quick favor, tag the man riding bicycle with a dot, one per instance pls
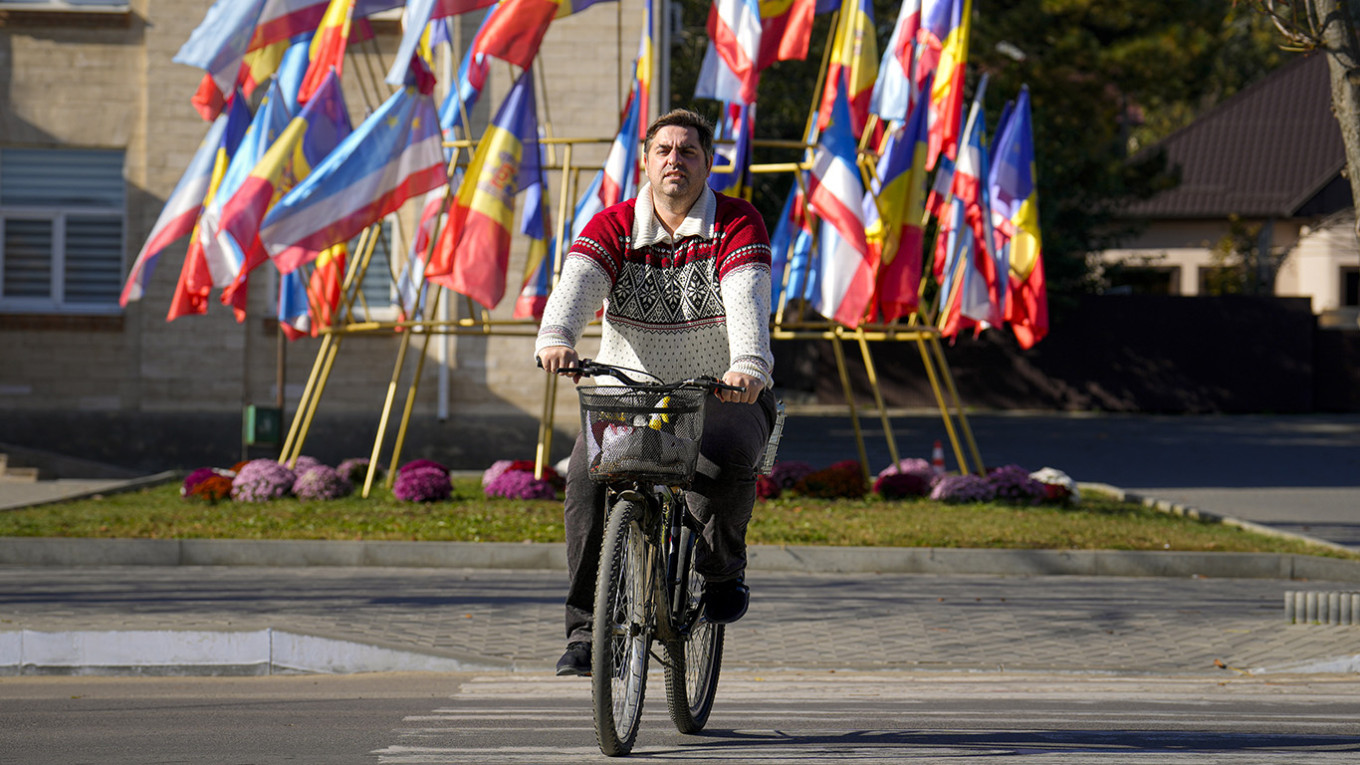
(684, 275)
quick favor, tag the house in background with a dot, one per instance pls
(1270, 158)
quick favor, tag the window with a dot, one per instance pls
(1146, 280)
(1350, 286)
(61, 230)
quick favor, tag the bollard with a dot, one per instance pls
(1310, 609)
(1289, 607)
(1334, 608)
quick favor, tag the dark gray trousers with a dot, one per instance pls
(721, 497)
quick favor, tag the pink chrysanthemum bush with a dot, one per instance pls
(261, 481)
(521, 484)
(960, 489)
(422, 483)
(321, 482)
(303, 463)
(901, 485)
(911, 477)
(421, 463)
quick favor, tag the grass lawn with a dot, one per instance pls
(1100, 522)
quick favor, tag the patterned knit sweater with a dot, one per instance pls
(696, 303)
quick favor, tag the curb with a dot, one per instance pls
(40, 551)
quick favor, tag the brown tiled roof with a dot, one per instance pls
(1265, 152)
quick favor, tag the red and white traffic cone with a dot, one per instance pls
(937, 459)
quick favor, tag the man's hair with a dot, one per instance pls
(686, 119)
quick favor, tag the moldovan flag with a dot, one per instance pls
(985, 303)
(322, 124)
(900, 191)
(894, 95)
(1015, 207)
(646, 65)
(328, 47)
(195, 281)
(836, 194)
(179, 214)
(473, 252)
(394, 155)
(786, 30)
(946, 30)
(853, 65)
(735, 30)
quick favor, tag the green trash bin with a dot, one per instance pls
(262, 426)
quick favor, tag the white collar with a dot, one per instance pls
(647, 229)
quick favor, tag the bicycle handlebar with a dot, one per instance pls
(590, 368)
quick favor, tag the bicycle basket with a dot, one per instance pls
(640, 435)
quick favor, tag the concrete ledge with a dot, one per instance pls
(199, 652)
(39, 551)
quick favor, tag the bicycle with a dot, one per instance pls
(643, 444)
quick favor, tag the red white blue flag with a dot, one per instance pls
(836, 193)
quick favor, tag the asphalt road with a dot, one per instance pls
(778, 717)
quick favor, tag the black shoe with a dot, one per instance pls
(726, 602)
(576, 661)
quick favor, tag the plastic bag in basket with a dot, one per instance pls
(629, 449)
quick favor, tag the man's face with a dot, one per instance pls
(676, 164)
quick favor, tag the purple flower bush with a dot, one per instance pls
(321, 482)
(262, 481)
(789, 472)
(305, 463)
(355, 470)
(1012, 483)
(422, 484)
(497, 469)
(963, 488)
(520, 484)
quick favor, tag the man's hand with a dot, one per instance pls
(555, 358)
(753, 387)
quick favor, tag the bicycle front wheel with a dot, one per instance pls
(695, 660)
(622, 631)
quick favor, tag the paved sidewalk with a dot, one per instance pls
(449, 619)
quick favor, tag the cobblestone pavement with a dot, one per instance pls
(513, 618)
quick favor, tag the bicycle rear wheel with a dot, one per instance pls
(622, 631)
(693, 663)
